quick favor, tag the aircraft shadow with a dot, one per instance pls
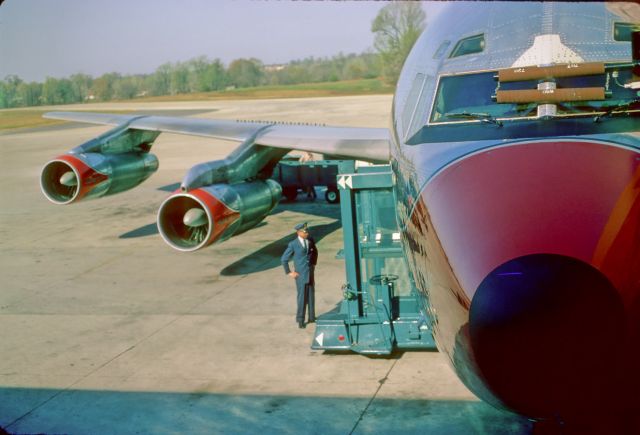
(268, 257)
(147, 230)
(170, 187)
(319, 207)
(99, 411)
(312, 208)
(324, 210)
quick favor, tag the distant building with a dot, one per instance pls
(274, 68)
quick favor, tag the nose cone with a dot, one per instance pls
(69, 179)
(580, 199)
(535, 249)
(195, 217)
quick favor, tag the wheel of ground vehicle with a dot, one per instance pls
(290, 193)
(332, 195)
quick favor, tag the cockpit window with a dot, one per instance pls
(471, 45)
(622, 31)
(441, 50)
(470, 92)
(412, 99)
(473, 97)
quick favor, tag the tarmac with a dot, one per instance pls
(106, 330)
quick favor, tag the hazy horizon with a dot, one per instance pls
(40, 38)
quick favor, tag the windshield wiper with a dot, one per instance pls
(621, 108)
(483, 117)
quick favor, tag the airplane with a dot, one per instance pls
(515, 147)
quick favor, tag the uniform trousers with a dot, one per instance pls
(306, 299)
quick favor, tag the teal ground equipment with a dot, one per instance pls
(381, 309)
(295, 176)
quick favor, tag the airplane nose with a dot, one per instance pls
(548, 336)
(538, 243)
(575, 198)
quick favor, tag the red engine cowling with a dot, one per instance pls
(74, 177)
(192, 220)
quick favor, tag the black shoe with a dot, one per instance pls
(312, 321)
(301, 325)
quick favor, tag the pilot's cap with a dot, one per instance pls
(301, 227)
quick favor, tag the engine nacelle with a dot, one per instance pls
(192, 220)
(73, 177)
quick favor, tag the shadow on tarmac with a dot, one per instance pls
(268, 257)
(147, 230)
(97, 411)
(303, 205)
(170, 187)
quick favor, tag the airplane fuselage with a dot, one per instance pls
(521, 220)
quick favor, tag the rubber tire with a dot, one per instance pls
(332, 196)
(291, 193)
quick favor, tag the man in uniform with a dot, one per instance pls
(304, 253)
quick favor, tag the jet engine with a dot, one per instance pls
(192, 220)
(113, 162)
(77, 176)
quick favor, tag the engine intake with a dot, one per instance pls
(74, 177)
(192, 220)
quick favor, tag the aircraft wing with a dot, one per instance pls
(217, 199)
(369, 144)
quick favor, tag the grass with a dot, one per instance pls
(24, 118)
(32, 117)
(29, 118)
(306, 90)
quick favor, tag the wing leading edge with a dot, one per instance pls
(369, 144)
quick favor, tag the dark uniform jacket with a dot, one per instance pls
(303, 262)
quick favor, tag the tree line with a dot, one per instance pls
(196, 75)
(396, 28)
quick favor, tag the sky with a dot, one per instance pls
(58, 38)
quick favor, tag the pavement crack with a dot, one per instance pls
(100, 367)
(381, 382)
(69, 387)
(102, 264)
(214, 295)
(46, 289)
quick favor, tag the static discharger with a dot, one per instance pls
(549, 72)
(550, 95)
